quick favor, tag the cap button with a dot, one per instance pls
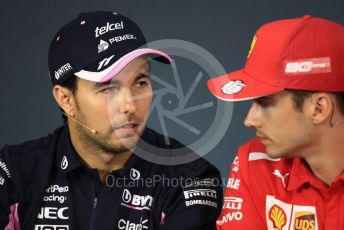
(307, 16)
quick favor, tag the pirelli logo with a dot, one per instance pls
(199, 192)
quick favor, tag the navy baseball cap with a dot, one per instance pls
(96, 46)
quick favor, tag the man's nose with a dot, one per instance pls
(253, 118)
(128, 104)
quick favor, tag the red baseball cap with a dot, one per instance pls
(304, 53)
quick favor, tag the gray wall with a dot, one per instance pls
(223, 28)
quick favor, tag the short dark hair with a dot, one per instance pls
(72, 85)
(299, 97)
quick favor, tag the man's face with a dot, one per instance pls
(282, 129)
(117, 110)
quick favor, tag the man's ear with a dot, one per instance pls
(321, 108)
(65, 99)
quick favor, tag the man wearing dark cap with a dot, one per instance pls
(291, 175)
(85, 175)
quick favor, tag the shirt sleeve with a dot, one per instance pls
(194, 205)
(6, 191)
(239, 209)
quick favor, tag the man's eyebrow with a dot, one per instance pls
(265, 99)
(113, 81)
(143, 74)
(102, 84)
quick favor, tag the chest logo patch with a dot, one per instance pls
(64, 163)
(304, 221)
(287, 216)
(277, 216)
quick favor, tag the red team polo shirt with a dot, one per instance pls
(266, 193)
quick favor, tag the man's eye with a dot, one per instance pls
(109, 89)
(142, 83)
(264, 102)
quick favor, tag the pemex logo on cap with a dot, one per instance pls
(103, 45)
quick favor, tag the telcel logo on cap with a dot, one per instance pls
(109, 27)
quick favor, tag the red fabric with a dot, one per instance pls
(298, 201)
(300, 53)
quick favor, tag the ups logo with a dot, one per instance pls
(304, 221)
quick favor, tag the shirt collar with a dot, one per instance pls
(300, 174)
(68, 160)
(135, 168)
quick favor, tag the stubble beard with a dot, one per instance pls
(99, 142)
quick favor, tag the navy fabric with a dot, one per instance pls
(55, 190)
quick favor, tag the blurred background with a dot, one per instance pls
(205, 38)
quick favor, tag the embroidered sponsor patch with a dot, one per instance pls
(307, 66)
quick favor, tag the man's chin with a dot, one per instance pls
(127, 142)
(275, 154)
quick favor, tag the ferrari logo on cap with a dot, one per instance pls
(253, 43)
(232, 87)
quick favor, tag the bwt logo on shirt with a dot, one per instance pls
(136, 202)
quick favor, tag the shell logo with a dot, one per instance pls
(278, 217)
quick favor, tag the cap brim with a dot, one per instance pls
(238, 86)
(108, 73)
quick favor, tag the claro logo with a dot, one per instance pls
(127, 225)
(136, 202)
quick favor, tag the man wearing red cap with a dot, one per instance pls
(291, 175)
